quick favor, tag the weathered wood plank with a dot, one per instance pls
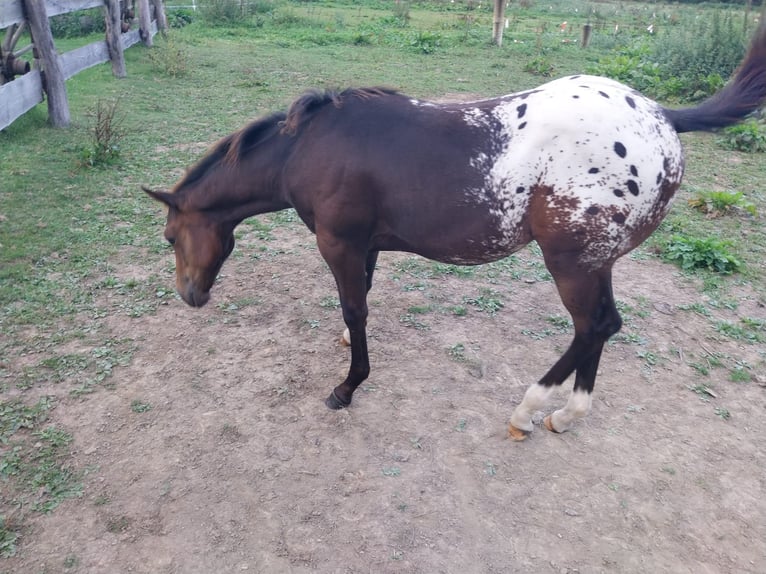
(11, 11)
(75, 61)
(20, 96)
(134, 36)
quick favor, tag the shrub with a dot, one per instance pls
(179, 17)
(169, 58)
(702, 55)
(76, 24)
(106, 134)
(687, 62)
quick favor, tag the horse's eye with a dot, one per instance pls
(171, 240)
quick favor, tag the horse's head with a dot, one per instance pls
(201, 244)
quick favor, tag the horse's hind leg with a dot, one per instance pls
(589, 299)
(349, 267)
(369, 267)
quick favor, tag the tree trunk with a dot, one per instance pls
(498, 22)
(144, 22)
(53, 77)
(114, 38)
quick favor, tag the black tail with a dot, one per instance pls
(740, 97)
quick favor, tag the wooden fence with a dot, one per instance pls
(50, 70)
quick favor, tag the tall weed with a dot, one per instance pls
(687, 62)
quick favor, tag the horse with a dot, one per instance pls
(583, 165)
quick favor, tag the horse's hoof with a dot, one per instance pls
(517, 434)
(548, 422)
(334, 403)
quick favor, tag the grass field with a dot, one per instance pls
(67, 229)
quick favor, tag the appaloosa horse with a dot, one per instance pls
(583, 165)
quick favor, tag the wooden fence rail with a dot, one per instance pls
(51, 69)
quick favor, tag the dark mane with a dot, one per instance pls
(307, 104)
(233, 147)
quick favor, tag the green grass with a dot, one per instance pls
(70, 231)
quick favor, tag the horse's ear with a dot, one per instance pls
(169, 199)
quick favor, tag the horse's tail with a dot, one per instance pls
(740, 97)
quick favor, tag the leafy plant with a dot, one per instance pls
(457, 352)
(696, 253)
(749, 137)
(716, 203)
(723, 413)
(426, 42)
(138, 406)
(487, 302)
(7, 539)
(179, 17)
(540, 66)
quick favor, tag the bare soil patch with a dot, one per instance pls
(237, 465)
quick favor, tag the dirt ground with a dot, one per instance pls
(239, 467)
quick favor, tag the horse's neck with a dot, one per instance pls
(236, 195)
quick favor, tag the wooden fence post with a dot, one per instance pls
(144, 22)
(159, 14)
(53, 77)
(114, 37)
(498, 22)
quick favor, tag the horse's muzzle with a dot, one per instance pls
(193, 296)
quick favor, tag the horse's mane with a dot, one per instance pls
(308, 104)
(232, 148)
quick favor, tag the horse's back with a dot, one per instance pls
(580, 159)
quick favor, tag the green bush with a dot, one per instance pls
(688, 62)
(749, 136)
(76, 24)
(179, 17)
(426, 42)
(168, 57)
(695, 253)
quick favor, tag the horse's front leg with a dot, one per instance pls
(349, 267)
